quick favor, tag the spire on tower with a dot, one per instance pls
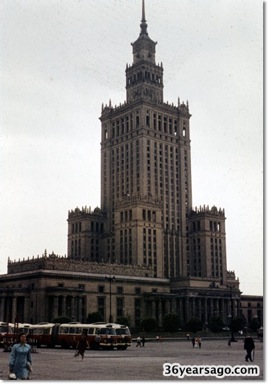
(143, 11)
(143, 21)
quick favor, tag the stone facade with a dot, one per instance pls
(251, 307)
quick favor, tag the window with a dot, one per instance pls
(120, 290)
(119, 307)
(101, 306)
(137, 291)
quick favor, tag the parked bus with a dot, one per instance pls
(43, 334)
(6, 333)
(99, 335)
(123, 339)
(18, 328)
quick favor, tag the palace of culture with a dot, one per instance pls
(146, 251)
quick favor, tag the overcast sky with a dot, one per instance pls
(61, 59)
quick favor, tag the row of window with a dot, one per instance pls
(159, 122)
(144, 75)
(95, 227)
(101, 288)
(214, 226)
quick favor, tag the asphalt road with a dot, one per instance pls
(137, 363)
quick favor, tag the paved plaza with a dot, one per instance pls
(136, 363)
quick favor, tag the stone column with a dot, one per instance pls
(193, 307)
(64, 306)
(56, 307)
(160, 311)
(27, 305)
(154, 309)
(172, 306)
(217, 307)
(179, 309)
(14, 309)
(2, 308)
(187, 309)
(72, 307)
(80, 308)
(199, 309)
(206, 309)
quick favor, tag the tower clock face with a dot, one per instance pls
(146, 93)
(149, 94)
(136, 94)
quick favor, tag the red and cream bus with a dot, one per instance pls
(43, 334)
(99, 335)
(6, 333)
(123, 336)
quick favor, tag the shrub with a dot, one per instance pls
(171, 322)
(94, 317)
(216, 324)
(194, 325)
(148, 325)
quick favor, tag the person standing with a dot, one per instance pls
(249, 346)
(20, 360)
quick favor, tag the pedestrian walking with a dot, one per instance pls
(249, 346)
(143, 341)
(199, 340)
(20, 360)
(138, 342)
(81, 346)
(193, 341)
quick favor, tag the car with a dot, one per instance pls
(226, 329)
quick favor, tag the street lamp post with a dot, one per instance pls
(230, 327)
(110, 279)
(231, 315)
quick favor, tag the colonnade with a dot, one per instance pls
(202, 308)
(70, 306)
(13, 308)
(36, 308)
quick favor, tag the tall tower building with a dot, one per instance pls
(146, 216)
(146, 189)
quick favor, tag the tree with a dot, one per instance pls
(237, 324)
(216, 324)
(94, 317)
(148, 325)
(123, 321)
(171, 322)
(254, 324)
(194, 325)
